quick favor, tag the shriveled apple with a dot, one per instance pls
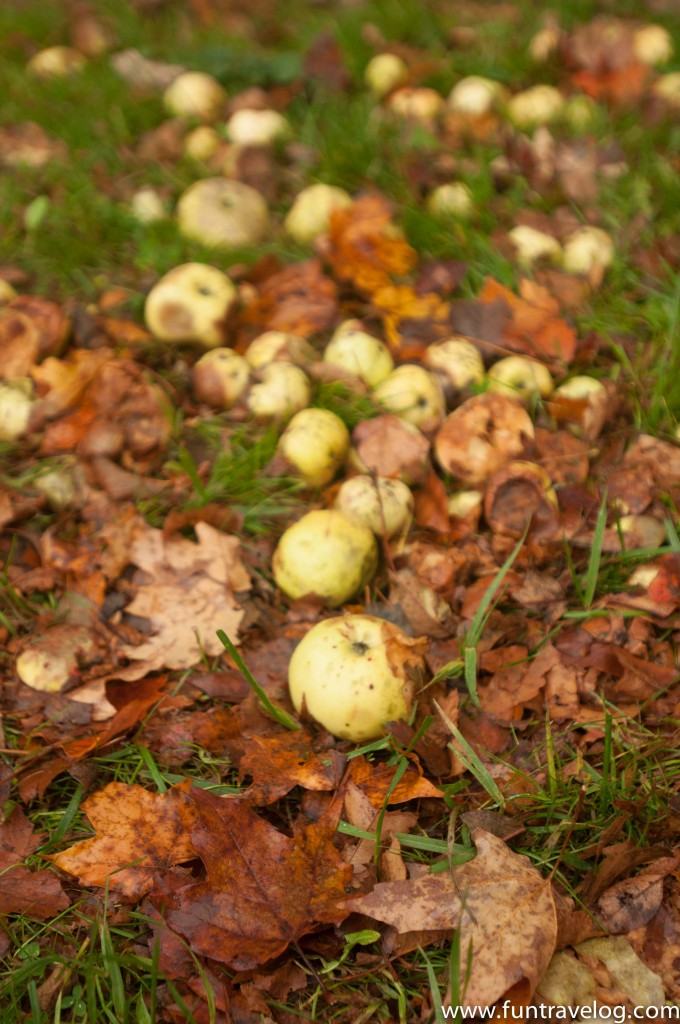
(520, 493)
(310, 215)
(581, 404)
(220, 377)
(481, 435)
(281, 391)
(354, 673)
(315, 443)
(328, 554)
(360, 354)
(391, 447)
(190, 303)
(413, 394)
(195, 94)
(384, 505)
(216, 211)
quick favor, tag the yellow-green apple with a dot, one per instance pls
(190, 303)
(452, 200)
(383, 504)
(195, 94)
(520, 377)
(476, 96)
(56, 62)
(413, 394)
(315, 443)
(310, 215)
(456, 362)
(540, 104)
(586, 249)
(385, 72)
(248, 127)
(531, 244)
(281, 391)
(360, 354)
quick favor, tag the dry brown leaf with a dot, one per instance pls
(496, 895)
(278, 763)
(364, 247)
(139, 834)
(188, 596)
(37, 894)
(263, 890)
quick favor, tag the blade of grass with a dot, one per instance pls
(471, 760)
(277, 713)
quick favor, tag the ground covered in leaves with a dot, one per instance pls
(177, 843)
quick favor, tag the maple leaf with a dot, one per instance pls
(190, 594)
(139, 834)
(36, 894)
(365, 248)
(263, 890)
(502, 906)
(375, 780)
(535, 328)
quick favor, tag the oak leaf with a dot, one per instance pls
(501, 904)
(139, 834)
(263, 889)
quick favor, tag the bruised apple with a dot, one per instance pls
(220, 377)
(189, 303)
(326, 553)
(354, 673)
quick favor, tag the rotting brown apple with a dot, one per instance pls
(481, 435)
(520, 493)
(325, 553)
(391, 447)
(315, 443)
(310, 215)
(190, 303)
(195, 94)
(354, 673)
(216, 211)
(220, 378)
(581, 404)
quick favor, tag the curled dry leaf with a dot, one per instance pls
(518, 495)
(483, 433)
(387, 446)
(139, 834)
(496, 895)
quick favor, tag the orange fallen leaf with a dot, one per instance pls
(278, 763)
(263, 889)
(505, 911)
(375, 780)
(364, 246)
(535, 328)
(139, 834)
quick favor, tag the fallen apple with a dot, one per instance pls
(545, 42)
(56, 62)
(278, 345)
(360, 354)
(652, 44)
(539, 104)
(216, 211)
(385, 72)
(16, 402)
(220, 377)
(281, 391)
(452, 200)
(201, 143)
(532, 245)
(520, 377)
(586, 249)
(327, 554)
(476, 96)
(7, 292)
(147, 206)
(354, 673)
(384, 505)
(456, 361)
(310, 215)
(315, 443)
(249, 127)
(416, 103)
(667, 88)
(413, 394)
(190, 303)
(195, 94)
(581, 404)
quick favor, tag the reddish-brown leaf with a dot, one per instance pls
(263, 890)
(36, 894)
(278, 763)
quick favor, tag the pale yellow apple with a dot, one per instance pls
(540, 104)
(16, 402)
(354, 673)
(257, 127)
(216, 211)
(383, 504)
(278, 345)
(310, 215)
(413, 394)
(452, 200)
(201, 142)
(416, 103)
(195, 94)
(360, 354)
(652, 44)
(147, 206)
(315, 443)
(667, 87)
(531, 244)
(7, 292)
(385, 72)
(586, 249)
(457, 361)
(189, 303)
(328, 554)
(282, 390)
(56, 62)
(476, 96)
(520, 377)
